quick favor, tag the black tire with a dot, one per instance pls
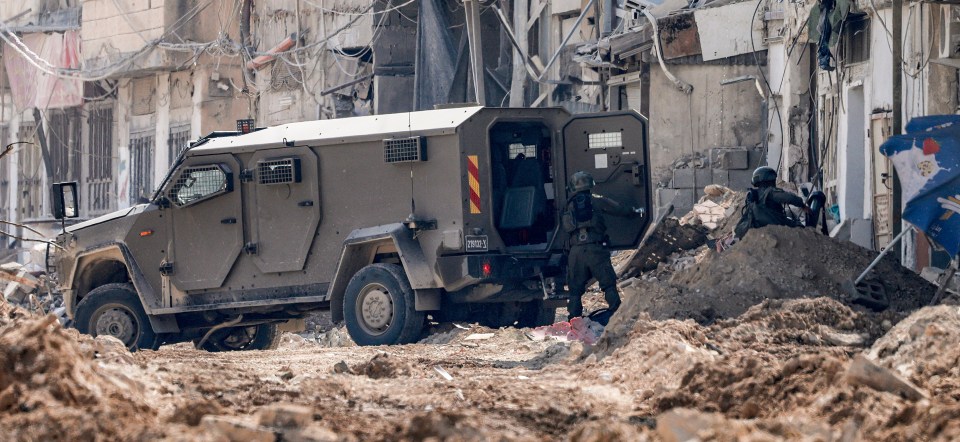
(390, 316)
(534, 314)
(254, 337)
(116, 310)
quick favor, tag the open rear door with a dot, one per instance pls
(612, 147)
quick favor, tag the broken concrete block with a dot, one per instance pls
(13, 294)
(312, 433)
(684, 200)
(237, 429)
(730, 158)
(684, 179)
(844, 339)
(863, 371)
(285, 416)
(342, 368)
(665, 196)
(721, 177)
(740, 179)
(703, 177)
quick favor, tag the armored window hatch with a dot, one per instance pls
(405, 150)
(198, 183)
(605, 140)
(278, 171)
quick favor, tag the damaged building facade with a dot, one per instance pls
(108, 92)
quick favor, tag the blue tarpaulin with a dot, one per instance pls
(927, 159)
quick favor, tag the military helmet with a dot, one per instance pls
(581, 181)
(764, 175)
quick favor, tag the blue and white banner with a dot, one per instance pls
(927, 159)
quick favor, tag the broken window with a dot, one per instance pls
(178, 140)
(141, 165)
(198, 183)
(856, 39)
(99, 179)
(29, 173)
(65, 144)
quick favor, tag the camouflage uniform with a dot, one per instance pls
(587, 257)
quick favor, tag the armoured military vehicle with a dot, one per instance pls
(384, 220)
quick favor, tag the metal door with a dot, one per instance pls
(613, 148)
(207, 233)
(283, 206)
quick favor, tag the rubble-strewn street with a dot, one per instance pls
(761, 365)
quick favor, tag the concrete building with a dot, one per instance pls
(107, 92)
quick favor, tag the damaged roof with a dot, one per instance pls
(320, 132)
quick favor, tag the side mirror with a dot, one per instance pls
(65, 200)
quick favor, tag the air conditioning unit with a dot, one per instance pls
(949, 32)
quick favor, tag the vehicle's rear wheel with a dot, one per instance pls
(116, 310)
(379, 307)
(254, 337)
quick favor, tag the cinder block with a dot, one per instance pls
(684, 179)
(684, 201)
(757, 158)
(731, 159)
(721, 177)
(740, 179)
(665, 196)
(704, 177)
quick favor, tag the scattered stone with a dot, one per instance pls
(342, 368)
(283, 416)
(238, 429)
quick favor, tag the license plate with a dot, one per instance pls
(476, 243)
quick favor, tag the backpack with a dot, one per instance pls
(582, 209)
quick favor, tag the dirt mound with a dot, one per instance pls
(925, 348)
(752, 385)
(51, 387)
(775, 263)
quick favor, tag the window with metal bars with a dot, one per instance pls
(99, 152)
(404, 150)
(198, 183)
(278, 171)
(4, 177)
(29, 173)
(65, 150)
(178, 140)
(141, 165)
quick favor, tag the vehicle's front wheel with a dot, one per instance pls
(254, 337)
(115, 310)
(379, 307)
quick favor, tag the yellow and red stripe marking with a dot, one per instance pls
(473, 176)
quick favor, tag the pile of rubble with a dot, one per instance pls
(31, 289)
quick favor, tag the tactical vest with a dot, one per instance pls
(589, 225)
(760, 211)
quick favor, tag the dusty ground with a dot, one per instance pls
(777, 369)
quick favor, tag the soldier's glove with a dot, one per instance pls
(639, 211)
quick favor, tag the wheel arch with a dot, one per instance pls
(381, 244)
(109, 264)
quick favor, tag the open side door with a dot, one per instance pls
(612, 147)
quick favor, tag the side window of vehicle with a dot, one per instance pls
(197, 183)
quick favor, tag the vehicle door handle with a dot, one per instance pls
(638, 178)
(228, 221)
(307, 203)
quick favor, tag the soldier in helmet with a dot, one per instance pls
(765, 203)
(584, 223)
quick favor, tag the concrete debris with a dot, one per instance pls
(478, 336)
(863, 371)
(237, 429)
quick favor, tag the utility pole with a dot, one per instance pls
(472, 10)
(897, 111)
(517, 86)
